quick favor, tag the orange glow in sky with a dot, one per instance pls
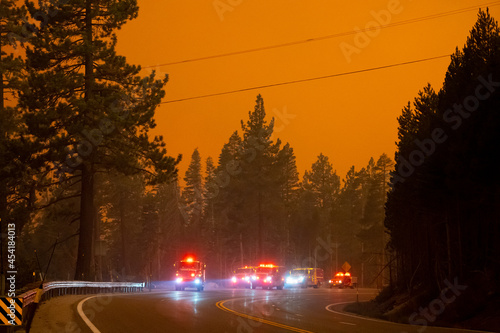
(348, 118)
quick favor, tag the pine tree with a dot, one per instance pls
(210, 193)
(321, 187)
(210, 190)
(227, 201)
(289, 175)
(258, 162)
(14, 152)
(323, 181)
(87, 108)
(288, 179)
(346, 217)
(192, 196)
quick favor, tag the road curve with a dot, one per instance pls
(238, 310)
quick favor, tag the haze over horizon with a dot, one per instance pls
(349, 117)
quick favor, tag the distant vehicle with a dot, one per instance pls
(189, 273)
(305, 277)
(268, 276)
(242, 276)
(343, 280)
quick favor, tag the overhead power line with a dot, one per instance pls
(304, 80)
(342, 34)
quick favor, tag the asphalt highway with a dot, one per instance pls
(235, 310)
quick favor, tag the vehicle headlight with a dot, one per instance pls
(247, 278)
(289, 280)
(178, 280)
(301, 279)
(254, 277)
(269, 278)
(197, 281)
(234, 279)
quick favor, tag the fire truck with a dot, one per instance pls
(268, 276)
(189, 273)
(241, 277)
(343, 280)
(304, 277)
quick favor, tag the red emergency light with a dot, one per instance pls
(266, 265)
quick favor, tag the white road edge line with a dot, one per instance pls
(84, 317)
(358, 317)
(389, 322)
(343, 322)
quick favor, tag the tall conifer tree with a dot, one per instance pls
(192, 195)
(87, 108)
(259, 160)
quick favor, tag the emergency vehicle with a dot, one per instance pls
(241, 277)
(305, 277)
(343, 280)
(189, 273)
(268, 276)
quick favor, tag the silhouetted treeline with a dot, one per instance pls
(249, 207)
(253, 207)
(80, 172)
(443, 213)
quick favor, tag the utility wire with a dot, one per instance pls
(342, 34)
(305, 80)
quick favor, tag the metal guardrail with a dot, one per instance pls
(60, 288)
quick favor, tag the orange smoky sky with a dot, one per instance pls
(349, 118)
